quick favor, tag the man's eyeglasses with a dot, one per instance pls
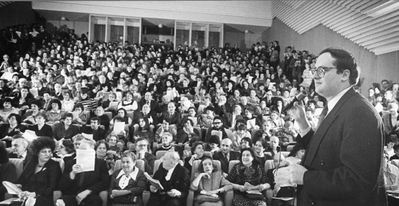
(217, 123)
(321, 70)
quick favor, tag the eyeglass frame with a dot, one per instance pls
(321, 70)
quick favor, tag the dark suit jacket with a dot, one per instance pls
(179, 180)
(96, 181)
(343, 156)
(224, 163)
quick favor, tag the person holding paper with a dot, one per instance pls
(210, 183)
(41, 175)
(174, 179)
(249, 180)
(128, 183)
(82, 188)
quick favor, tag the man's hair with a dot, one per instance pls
(68, 114)
(343, 61)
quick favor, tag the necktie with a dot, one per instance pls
(322, 116)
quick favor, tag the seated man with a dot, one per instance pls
(83, 188)
(19, 148)
(226, 154)
(174, 179)
(95, 129)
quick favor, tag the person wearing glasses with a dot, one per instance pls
(142, 153)
(343, 156)
(216, 129)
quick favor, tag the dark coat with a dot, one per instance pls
(223, 161)
(42, 183)
(96, 181)
(343, 156)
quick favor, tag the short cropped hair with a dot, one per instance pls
(344, 61)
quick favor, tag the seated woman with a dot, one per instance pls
(129, 104)
(122, 113)
(67, 152)
(259, 150)
(80, 117)
(209, 182)
(102, 152)
(197, 151)
(143, 130)
(67, 103)
(7, 131)
(249, 180)
(174, 179)
(7, 170)
(41, 128)
(128, 183)
(7, 109)
(30, 114)
(54, 112)
(41, 175)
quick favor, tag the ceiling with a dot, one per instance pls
(59, 15)
(372, 24)
(5, 3)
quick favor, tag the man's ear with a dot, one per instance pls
(345, 75)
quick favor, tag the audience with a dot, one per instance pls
(61, 86)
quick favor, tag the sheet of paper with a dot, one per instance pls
(86, 159)
(11, 188)
(89, 136)
(29, 135)
(9, 201)
(119, 127)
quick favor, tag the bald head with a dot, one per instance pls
(225, 145)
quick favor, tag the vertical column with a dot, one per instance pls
(221, 43)
(174, 36)
(190, 33)
(124, 32)
(140, 30)
(206, 36)
(106, 29)
(89, 35)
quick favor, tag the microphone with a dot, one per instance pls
(297, 98)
